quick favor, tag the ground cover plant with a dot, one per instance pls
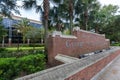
(115, 44)
(15, 63)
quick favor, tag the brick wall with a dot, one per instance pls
(80, 42)
(90, 71)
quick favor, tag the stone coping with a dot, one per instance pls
(59, 33)
(92, 33)
(64, 71)
(65, 58)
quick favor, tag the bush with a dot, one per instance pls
(20, 53)
(2, 49)
(32, 45)
(36, 45)
(11, 68)
(115, 44)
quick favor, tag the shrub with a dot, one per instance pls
(36, 45)
(11, 68)
(20, 53)
(7, 68)
(32, 45)
(115, 44)
(2, 49)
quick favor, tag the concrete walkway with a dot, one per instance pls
(111, 72)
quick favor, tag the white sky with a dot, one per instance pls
(31, 14)
(107, 2)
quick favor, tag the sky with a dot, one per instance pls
(31, 14)
(107, 2)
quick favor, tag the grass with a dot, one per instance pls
(24, 48)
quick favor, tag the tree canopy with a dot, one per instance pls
(87, 14)
(66, 14)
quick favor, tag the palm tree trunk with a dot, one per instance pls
(46, 34)
(46, 13)
(71, 15)
(86, 19)
(96, 29)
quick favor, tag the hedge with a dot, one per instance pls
(11, 68)
(115, 44)
(9, 53)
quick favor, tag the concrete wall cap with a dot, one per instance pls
(76, 29)
(107, 39)
(68, 36)
(103, 34)
(90, 32)
(54, 33)
(59, 33)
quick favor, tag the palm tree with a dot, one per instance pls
(46, 13)
(83, 8)
(23, 26)
(56, 16)
(62, 12)
(71, 14)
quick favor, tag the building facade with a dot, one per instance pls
(11, 36)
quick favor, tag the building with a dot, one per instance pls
(8, 24)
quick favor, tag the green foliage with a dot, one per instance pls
(112, 29)
(115, 44)
(2, 49)
(24, 48)
(5, 53)
(24, 27)
(36, 45)
(66, 32)
(7, 7)
(35, 34)
(88, 15)
(11, 68)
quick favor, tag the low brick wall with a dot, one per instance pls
(90, 71)
(83, 69)
(80, 42)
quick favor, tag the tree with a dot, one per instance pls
(24, 27)
(45, 12)
(112, 30)
(71, 15)
(105, 17)
(83, 8)
(95, 18)
(57, 15)
(35, 35)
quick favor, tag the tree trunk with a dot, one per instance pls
(71, 15)
(96, 29)
(46, 35)
(86, 19)
(46, 13)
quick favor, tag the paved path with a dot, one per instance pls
(112, 72)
